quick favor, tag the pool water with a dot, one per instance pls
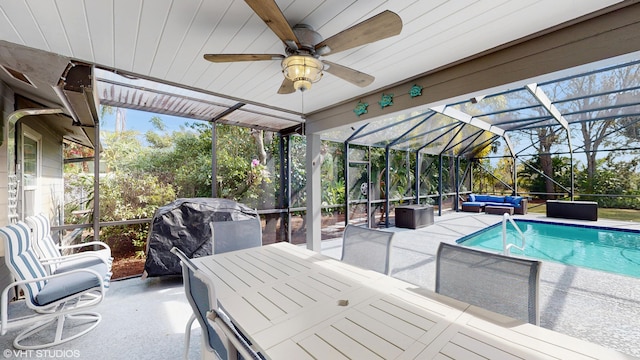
(605, 249)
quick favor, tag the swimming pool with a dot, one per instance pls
(599, 248)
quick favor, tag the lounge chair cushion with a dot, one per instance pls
(63, 286)
(80, 263)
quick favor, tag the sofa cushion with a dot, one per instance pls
(495, 199)
(490, 198)
(472, 197)
(489, 203)
(473, 203)
(515, 200)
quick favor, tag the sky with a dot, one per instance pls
(140, 121)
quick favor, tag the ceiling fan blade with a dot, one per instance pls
(381, 26)
(286, 87)
(242, 57)
(353, 76)
(271, 14)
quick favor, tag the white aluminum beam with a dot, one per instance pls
(544, 100)
(468, 119)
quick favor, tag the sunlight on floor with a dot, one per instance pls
(177, 314)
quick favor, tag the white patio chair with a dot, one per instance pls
(367, 248)
(54, 298)
(219, 321)
(200, 293)
(502, 284)
(50, 254)
(236, 235)
(226, 236)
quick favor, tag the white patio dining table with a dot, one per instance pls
(293, 303)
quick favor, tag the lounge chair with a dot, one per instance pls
(54, 298)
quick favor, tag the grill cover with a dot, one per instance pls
(184, 224)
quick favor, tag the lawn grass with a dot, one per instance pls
(603, 213)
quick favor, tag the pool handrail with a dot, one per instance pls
(506, 247)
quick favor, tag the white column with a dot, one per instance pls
(314, 196)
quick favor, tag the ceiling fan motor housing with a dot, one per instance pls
(307, 38)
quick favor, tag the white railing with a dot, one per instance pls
(506, 247)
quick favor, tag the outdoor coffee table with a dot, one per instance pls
(498, 210)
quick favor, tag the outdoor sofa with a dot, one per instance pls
(479, 203)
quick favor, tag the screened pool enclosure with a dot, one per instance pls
(436, 155)
(544, 140)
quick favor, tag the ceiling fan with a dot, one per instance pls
(301, 65)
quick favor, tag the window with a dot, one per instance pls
(31, 157)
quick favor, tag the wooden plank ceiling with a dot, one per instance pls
(164, 40)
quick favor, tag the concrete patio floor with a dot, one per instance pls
(145, 319)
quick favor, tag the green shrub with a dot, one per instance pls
(131, 196)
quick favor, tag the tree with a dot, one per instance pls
(298, 171)
(121, 150)
(605, 125)
(615, 178)
(537, 183)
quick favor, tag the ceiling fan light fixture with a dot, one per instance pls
(302, 70)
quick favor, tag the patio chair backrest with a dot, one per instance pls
(43, 243)
(502, 284)
(236, 235)
(367, 248)
(21, 259)
(201, 296)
